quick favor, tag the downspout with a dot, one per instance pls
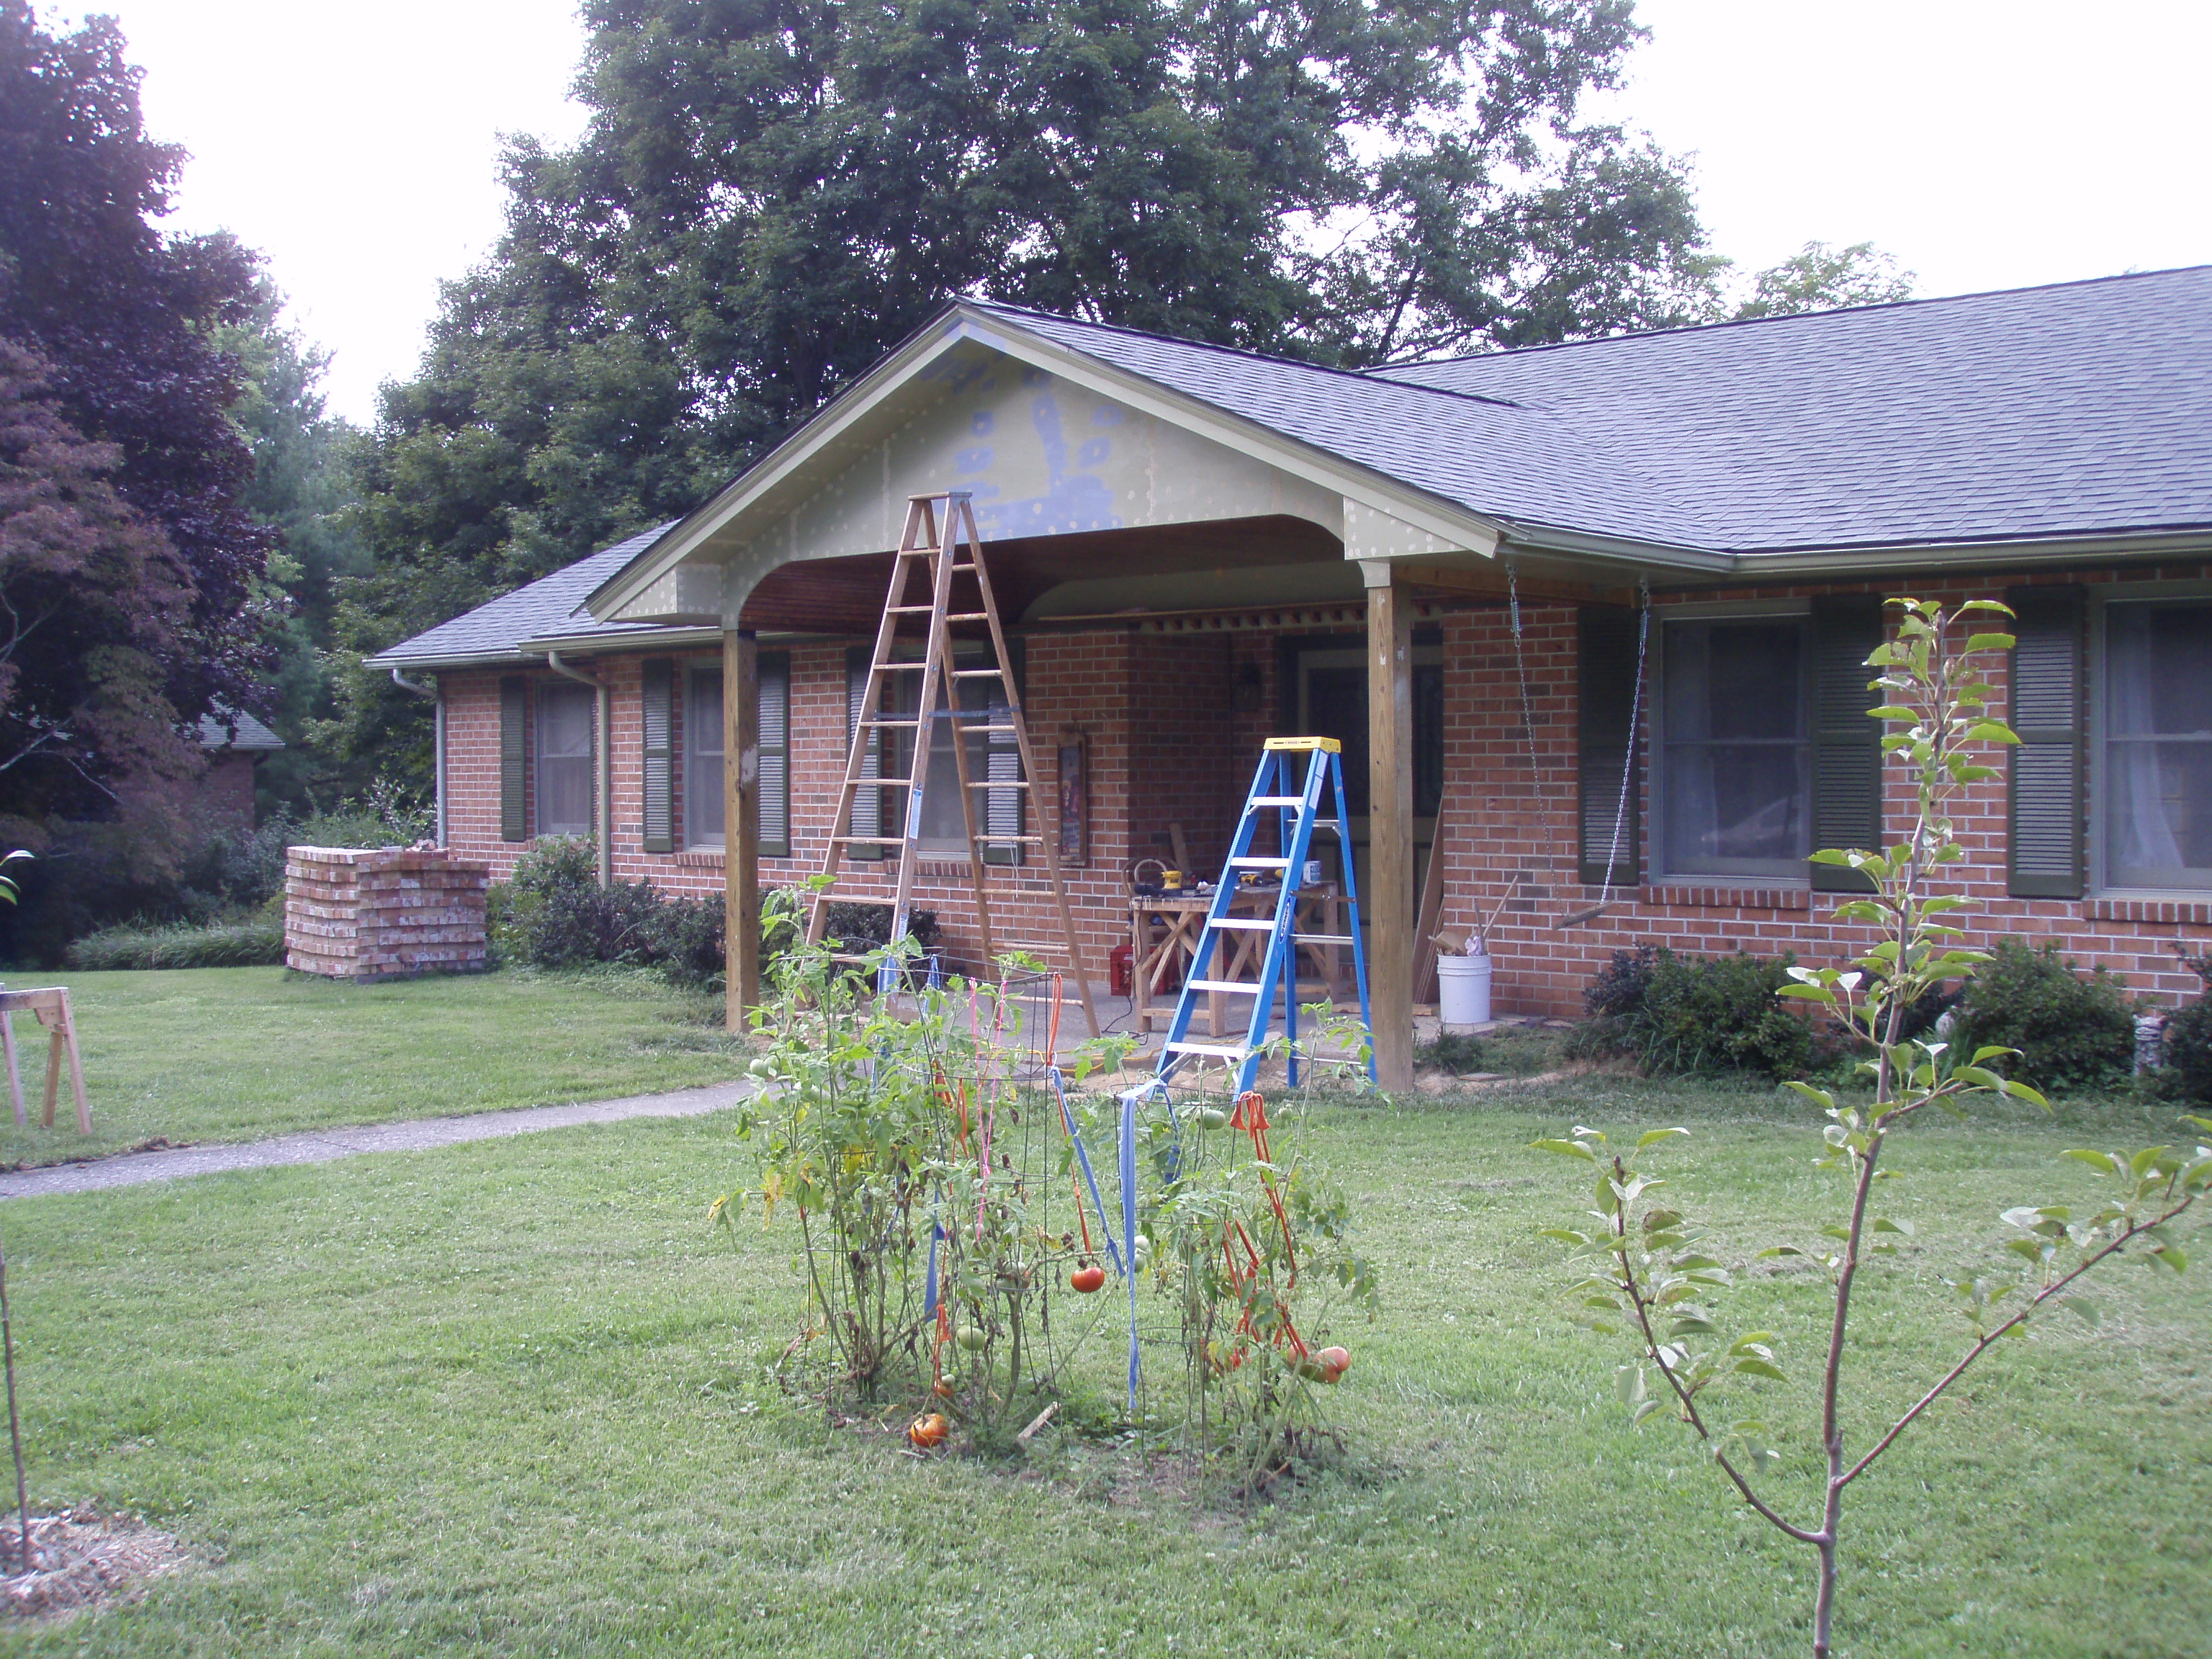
(437, 741)
(604, 745)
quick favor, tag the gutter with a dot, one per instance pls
(604, 745)
(437, 743)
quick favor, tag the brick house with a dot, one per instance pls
(1196, 548)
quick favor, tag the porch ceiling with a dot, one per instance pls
(1275, 559)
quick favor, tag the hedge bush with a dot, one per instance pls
(1693, 1017)
(2075, 1033)
(255, 943)
(2186, 1072)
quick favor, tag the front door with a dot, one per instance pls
(1332, 702)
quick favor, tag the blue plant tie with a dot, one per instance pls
(1083, 1156)
(1129, 1225)
(929, 1290)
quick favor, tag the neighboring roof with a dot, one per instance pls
(551, 608)
(227, 728)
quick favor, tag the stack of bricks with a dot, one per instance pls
(357, 913)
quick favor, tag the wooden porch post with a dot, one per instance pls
(740, 823)
(1390, 823)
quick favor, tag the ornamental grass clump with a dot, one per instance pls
(1652, 1273)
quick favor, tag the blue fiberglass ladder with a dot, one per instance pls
(1274, 788)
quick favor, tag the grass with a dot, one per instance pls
(236, 1054)
(512, 1396)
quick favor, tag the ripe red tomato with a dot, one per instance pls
(1086, 1280)
(1334, 1362)
(942, 1389)
(929, 1432)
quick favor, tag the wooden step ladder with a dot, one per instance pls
(1303, 808)
(940, 550)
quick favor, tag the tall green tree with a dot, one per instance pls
(303, 490)
(771, 193)
(1819, 277)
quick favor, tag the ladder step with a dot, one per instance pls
(862, 898)
(1010, 841)
(867, 841)
(1241, 924)
(910, 610)
(902, 668)
(884, 722)
(966, 616)
(1000, 783)
(1274, 801)
(1321, 939)
(1257, 862)
(879, 783)
(1222, 985)
(1214, 1049)
(979, 673)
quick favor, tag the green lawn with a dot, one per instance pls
(510, 1396)
(235, 1053)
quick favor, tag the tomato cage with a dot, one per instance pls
(1018, 1245)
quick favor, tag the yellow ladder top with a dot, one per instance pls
(1306, 745)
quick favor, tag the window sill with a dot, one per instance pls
(700, 858)
(1714, 896)
(2183, 909)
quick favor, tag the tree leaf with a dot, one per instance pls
(1564, 1149)
(1762, 1368)
(1653, 1137)
(2083, 1308)
(2094, 1159)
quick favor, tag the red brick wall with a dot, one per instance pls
(1173, 726)
(225, 790)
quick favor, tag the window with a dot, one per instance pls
(565, 712)
(702, 759)
(1736, 748)
(2156, 808)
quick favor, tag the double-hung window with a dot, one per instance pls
(703, 744)
(565, 718)
(1736, 747)
(2154, 811)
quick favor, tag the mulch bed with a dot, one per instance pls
(82, 1561)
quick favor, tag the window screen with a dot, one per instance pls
(1736, 715)
(2156, 801)
(564, 759)
(702, 759)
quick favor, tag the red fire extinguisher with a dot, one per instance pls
(1120, 962)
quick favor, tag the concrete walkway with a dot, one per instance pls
(322, 1145)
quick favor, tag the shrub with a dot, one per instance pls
(1685, 1015)
(868, 926)
(258, 942)
(2075, 1034)
(2186, 1073)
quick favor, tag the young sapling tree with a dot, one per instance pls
(1647, 1267)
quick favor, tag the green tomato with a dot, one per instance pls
(1213, 1117)
(973, 1338)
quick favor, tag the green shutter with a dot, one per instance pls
(868, 803)
(514, 759)
(659, 769)
(1846, 744)
(2043, 801)
(1606, 674)
(775, 727)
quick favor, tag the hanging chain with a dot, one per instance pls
(1628, 760)
(1521, 664)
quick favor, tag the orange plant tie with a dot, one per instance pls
(1052, 1041)
(1082, 1216)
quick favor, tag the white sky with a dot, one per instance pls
(1986, 144)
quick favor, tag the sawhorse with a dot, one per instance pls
(51, 1006)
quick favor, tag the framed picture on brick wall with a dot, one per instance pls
(1074, 798)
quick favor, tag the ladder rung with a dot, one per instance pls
(967, 727)
(966, 616)
(1221, 985)
(1000, 783)
(1255, 862)
(979, 673)
(861, 898)
(1214, 1049)
(1010, 841)
(884, 722)
(867, 841)
(1321, 939)
(1275, 800)
(1241, 924)
(902, 668)
(910, 610)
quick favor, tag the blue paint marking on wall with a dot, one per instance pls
(1106, 415)
(977, 459)
(981, 423)
(1072, 501)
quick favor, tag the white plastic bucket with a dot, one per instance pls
(1463, 989)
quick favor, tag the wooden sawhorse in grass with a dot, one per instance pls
(52, 1005)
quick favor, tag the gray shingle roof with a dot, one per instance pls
(2082, 409)
(230, 729)
(552, 607)
(2079, 408)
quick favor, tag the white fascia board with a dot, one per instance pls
(1446, 521)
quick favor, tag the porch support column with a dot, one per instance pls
(740, 823)
(1389, 902)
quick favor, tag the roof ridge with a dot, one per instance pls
(1391, 370)
(1366, 377)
